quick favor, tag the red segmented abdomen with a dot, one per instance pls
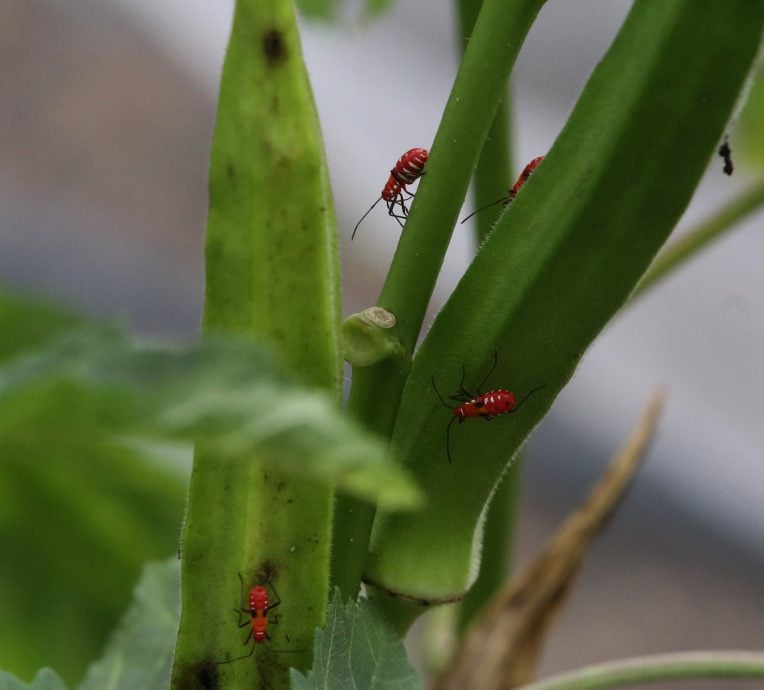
(491, 404)
(392, 189)
(258, 608)
(410, 166)
(524, 175)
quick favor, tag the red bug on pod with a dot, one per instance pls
(258, 609)
(408, 169)
(259, 605)
(486, 405)
(512, 193)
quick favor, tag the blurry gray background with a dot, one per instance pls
(105, 127)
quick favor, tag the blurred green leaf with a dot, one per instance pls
(46, 679)
(328, 9)
(25, 323)
(318, 9)
(375, 7)
(139, 653)
(70, 497)
(748, 138)
(93, 383)
(357, 649)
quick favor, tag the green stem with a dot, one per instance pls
(701, 235)
(653, 669)
(479, 86)
(374, 399)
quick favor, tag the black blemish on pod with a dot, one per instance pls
(274, 47)
(201, 675)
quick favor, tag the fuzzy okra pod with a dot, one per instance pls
(272, 274)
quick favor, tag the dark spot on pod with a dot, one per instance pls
(274, 47)
(268, 571)
(230, 171)
(202, 675)
(208, 677)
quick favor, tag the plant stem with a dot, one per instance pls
(353, 518)
(480, 84)
(652, 669)
(702, 235)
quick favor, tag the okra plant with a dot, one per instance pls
(292, 494)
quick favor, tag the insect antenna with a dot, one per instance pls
(528, 395)
(490, 371)
(448, 438)
(445, 404)
(355, 229)
(504, 199)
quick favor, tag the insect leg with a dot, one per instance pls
(490, 371)
(528, 395)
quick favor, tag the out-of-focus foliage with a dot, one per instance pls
(93, 385)
(85, 501)
(44, 680)
(79, 513)
(328, 9)
(140, 651)
(357, 649)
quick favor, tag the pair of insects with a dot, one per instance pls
(476, 405)
(409, 168)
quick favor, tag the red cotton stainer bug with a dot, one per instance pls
(486, 405)
(408, 169)
(258, 609)
(512, 193)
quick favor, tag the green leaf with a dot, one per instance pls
(357, 649)
(25, 323)
(558, 265)
(318, 9)
(329, 9)
(139, 654)
(70, 497)
(92, 384)
(46, 679)
(376, 7)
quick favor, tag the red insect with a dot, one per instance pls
(486, 405)
(512, 193)
(259, 606)
(408, 169)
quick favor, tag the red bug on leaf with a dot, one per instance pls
(408, 169)
(486, 405)
(512, 193)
